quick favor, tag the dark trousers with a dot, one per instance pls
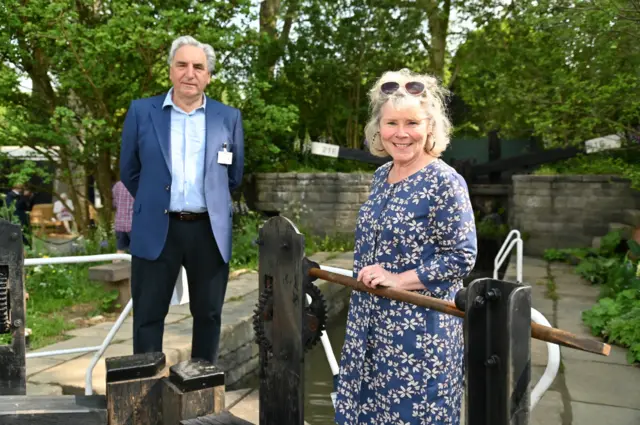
(189, 243)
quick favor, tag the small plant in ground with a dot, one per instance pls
(618, 321)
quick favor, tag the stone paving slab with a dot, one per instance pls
(38, 364)
(601, 383)
(549, 410)
(89, 341)
(584, 413)
(41, 390)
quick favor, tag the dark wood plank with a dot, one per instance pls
(13, 379)
(125, 368)
(53, 410)
(282, 371)
(524, 161)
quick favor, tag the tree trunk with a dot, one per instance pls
(437, 12)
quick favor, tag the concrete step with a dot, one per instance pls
(624, 229)
(631, 217)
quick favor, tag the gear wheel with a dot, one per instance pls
(5, 325)
(315, 317)
(262, 317)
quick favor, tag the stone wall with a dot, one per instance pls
(567, 211)
(318, 202)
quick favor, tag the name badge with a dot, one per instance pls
(224, 156)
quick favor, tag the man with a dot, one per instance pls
(182, 155)
(19, 200)
(123, 204)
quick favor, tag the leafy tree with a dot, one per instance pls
(566, 70)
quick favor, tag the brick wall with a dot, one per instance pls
(567, 211)
(323, 203)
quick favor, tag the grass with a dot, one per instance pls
(58, 295)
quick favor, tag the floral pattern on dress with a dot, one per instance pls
(402, 364)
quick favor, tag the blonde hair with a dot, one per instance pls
(431, 101)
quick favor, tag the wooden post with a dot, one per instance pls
(282, 364)
(194, 388)
(134, 389)
(13, 379)
(495, 153)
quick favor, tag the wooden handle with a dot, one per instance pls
(543, 333)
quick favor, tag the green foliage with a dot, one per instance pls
(559, 69)
(54, 291)
(245, 235)
(567, 255)
(617, 319)
(624, 164)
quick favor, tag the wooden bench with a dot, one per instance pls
(114, 276)
(41, 218)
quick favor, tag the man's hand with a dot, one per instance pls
(375, 275)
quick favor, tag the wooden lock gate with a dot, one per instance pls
(497, 334)
(142, 390)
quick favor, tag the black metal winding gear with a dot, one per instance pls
(315, 314)
(5, 323)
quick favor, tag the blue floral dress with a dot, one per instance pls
(402, 364)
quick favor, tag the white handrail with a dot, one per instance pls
(88, 378)
(553, 363)
(504, 252)
(553, 360)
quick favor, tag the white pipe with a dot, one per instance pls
(337, 270)
(103, 347)
(553, 363)
(326, 344)
(504, 244)
(88, 377)
(62, 352)
(76, 259)
(519, 265)
(498, 261)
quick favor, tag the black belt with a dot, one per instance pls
(188, 216)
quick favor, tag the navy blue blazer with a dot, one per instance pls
(145, 170)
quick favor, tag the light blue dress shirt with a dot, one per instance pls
(188, 143)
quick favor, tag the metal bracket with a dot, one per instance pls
(497, 333)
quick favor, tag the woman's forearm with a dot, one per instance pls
(409, 281)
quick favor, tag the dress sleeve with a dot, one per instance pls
(454, 235)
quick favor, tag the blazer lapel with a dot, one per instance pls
(211, 116)
(161, 118)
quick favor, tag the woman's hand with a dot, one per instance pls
(375, 275)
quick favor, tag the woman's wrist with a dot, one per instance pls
(408, 281)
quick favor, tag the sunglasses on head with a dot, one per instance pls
(412, 87)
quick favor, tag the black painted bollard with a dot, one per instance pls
(193, 389)
(134, 389)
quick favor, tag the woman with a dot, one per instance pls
(403, 364)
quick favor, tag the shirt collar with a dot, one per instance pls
(168, 101)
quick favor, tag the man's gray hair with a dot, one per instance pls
(187, 40)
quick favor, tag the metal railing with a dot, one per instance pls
(88, 379)
(505, 251)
